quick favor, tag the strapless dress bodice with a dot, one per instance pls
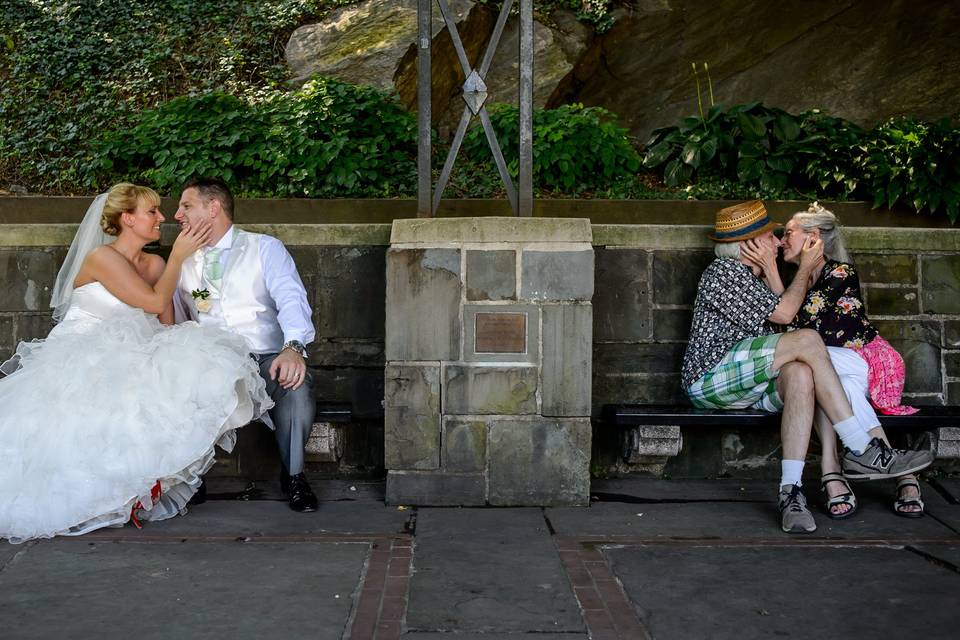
(92, 300)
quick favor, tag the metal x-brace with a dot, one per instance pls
(475, 96)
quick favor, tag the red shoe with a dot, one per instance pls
(155, 493)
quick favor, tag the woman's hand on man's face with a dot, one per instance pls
(812, 252)
(759, 253)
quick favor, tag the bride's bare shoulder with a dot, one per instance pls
(102, 261)
(102, 254)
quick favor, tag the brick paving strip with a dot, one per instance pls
(385, 585)
(606, 609)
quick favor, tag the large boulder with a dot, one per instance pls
(374, 43)
(858, 59)
(557, 47)
(362, 43)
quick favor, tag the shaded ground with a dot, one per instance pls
(649, 558)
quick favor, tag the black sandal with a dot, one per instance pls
(900, 503)
(844, 498)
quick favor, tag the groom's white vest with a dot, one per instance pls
(245, 306)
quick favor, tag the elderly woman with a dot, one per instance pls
(872, 371)
(735, 359)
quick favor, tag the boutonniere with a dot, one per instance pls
(200, 299)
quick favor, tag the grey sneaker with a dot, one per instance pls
(794, 514)
(880, 461)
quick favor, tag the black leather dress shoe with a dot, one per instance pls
(298, 489)
(200, 496)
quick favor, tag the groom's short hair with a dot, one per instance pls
(210, 188)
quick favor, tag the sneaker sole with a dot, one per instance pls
(799, 530)
(856, 475)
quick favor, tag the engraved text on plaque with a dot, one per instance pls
(500, 333)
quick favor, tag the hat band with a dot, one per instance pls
(762, 222)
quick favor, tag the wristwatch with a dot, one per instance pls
(296, 345)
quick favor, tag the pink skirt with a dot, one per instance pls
(886, 377)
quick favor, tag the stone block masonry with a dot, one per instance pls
(644, 279)
(501, 307)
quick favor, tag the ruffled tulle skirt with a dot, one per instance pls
(95, 415)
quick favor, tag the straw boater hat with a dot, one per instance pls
(742, 222)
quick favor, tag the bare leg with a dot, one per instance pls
(829, 462)
(796, 386)
(805, 346)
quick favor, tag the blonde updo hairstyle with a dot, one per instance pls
(124, 198)
(817, 217)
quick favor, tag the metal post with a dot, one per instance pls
(475, 96)
(525, 186)
(424, 98)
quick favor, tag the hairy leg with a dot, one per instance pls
(796, 386)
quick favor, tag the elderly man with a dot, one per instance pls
(736, 360)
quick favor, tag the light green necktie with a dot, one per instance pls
(212, 269)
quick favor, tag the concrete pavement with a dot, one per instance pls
(648, 559)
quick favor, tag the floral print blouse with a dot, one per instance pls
(834, 308)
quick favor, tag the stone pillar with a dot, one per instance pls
(488, 345)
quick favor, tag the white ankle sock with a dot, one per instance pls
(790, 472)
(852, 435)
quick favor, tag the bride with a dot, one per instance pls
(114, 416)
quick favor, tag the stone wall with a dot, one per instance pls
(645, 277)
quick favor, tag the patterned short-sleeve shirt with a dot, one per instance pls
(834, 308)
(732, 305)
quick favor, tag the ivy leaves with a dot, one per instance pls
(72, 69)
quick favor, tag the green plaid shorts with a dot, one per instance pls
(744, 378)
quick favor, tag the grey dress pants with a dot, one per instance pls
(292, 414)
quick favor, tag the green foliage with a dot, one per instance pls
(915, 162)
(751, 150)
(763, 149)
(328, 139)
(576, 148)
(74, 68)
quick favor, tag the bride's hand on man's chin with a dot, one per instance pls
(191, 238)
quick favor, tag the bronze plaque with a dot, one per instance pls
(500, 333)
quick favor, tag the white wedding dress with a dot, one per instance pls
(108, 405)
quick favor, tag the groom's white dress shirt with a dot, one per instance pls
(262, 296)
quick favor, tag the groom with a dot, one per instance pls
(247, 283)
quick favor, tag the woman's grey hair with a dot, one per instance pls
(727, 250)
(817, 217)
